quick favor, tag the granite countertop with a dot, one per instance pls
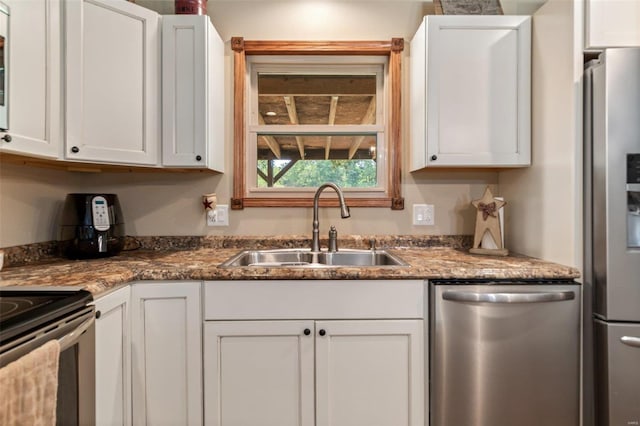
(437, 258)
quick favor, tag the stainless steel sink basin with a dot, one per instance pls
(301, 258)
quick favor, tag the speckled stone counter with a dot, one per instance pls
(426, 260)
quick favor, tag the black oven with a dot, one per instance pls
(29, 318)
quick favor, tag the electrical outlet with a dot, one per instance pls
(423, 214)
(219, 216)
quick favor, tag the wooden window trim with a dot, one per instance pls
(241, 48)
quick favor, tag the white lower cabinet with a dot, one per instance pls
(305, 353)
(368, 372)
(166, 324)
(113, 359)
(319, 371)
(259, 373)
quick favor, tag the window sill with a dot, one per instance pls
(388, 202)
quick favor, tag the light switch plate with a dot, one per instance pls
(423, 214)
(219, 216)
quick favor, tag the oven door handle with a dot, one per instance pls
(72, 337)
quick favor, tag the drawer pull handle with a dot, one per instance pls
(322, 332)
(307, 332)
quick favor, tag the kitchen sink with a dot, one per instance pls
(304, 258)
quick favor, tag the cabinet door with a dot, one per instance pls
(113, 82)
(370, 373)
(474, 74)
(192, 93)
(34, 78)
(167, 353)
(259, 373)
(113, 359)
(612, 23)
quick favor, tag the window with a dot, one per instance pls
(312, 112)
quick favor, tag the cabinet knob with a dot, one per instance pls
(98, 314)
(322, 332)
(434, 157)
(7, 138)
(198, 158)
(307, 332)
(75, 149)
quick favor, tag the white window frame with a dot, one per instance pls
(320, 65)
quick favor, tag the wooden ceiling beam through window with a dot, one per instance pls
(369, 118)
(319, 85)
(272, 143)
(290, 102)
(332, 119)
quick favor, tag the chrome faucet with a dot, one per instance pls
(344, 212)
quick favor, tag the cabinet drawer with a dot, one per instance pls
(302, 299)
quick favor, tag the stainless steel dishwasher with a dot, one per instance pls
(505, 353)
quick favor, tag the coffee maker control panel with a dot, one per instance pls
(100, 213)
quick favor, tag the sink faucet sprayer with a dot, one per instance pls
(344, 212)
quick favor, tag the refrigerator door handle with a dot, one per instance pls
(631, 341)
(505, 297)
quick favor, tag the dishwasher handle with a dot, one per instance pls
(508, 297)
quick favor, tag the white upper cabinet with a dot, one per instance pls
(113, 82)
(34, 69)
(612, 23)
(471, 91)
(192, 93)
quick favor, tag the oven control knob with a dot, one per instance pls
(98, 314)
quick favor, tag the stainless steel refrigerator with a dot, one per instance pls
(612, 230)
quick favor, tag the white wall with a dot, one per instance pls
(31, 202)
(545, 201)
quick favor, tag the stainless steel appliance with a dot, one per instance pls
(30, 318)
(91, 226)
(505, 353)
(612, 230)
(4, 69)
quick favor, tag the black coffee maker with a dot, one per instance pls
(91, 226)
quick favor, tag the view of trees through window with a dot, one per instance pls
(312, 173)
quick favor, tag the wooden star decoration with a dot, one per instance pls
(487, 219)
(208, 204)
